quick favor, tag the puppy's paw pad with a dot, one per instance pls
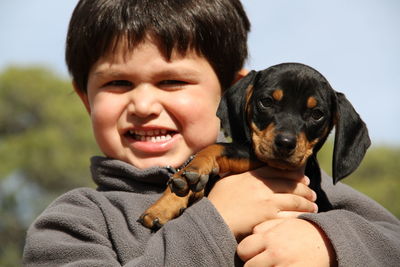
(179, 186)
(200, 183)
(192, 177)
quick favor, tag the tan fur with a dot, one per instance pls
(263, 142)
(312, 102)
(249, 93)
(166, 208)
(264, 145)
(277, 94)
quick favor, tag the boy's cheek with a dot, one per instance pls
(204, 135)
(108, 143)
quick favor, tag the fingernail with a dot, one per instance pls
(307, 180)
(315, 208)
(314, 196)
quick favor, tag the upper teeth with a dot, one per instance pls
(151, 135)
(148, 133)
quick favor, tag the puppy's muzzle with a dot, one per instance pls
(285, 144)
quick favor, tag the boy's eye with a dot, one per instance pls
(119, 83)
(172, 83)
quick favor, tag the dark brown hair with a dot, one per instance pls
(216, 29)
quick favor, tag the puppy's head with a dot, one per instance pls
(290, 114)
(286, 112)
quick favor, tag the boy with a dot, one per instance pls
(150, 73)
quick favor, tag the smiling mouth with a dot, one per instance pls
(154, 136)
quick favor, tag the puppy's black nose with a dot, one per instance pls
(285, 143)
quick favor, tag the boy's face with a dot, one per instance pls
(148, 111)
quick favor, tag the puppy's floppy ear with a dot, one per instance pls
(351, 139)
(232, 109)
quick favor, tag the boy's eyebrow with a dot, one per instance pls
(163, 73)
(101, 73)
(181, 72)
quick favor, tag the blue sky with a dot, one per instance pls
(354, 43)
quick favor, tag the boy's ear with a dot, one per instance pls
(82, 95)
(240, 74)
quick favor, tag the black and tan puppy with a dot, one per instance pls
(281, 117)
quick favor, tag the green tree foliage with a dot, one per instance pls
(44, 132)
(45, 146)
(377, 176)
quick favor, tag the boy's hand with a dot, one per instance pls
(286, 242)
(248, 199)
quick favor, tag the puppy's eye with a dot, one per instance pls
(317, 114)
(265, 102)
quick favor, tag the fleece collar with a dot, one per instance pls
(113, 174)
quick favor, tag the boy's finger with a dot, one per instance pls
(264, 259)
(290, 187)
(290, 202)
(267, 225)
(290, 214)
(268, 172)
(250, 247)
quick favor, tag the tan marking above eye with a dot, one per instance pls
(277, 95)
(312, 102)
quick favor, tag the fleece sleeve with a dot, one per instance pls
(195, 239)
(83, 229)
(361, 231)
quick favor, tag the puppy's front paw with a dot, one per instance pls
(193, 177)
(178, 184)
(150, 221)
(156, 216)
(168, 207)
(196, 180)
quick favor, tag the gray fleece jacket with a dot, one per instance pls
(87, 227)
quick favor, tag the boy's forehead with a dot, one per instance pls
(147, 54)
(121, 48)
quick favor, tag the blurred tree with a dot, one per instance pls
(45, 146)
(45, 132)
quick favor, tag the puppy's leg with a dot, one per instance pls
(166, 208)
(213, 160)
(187, 185)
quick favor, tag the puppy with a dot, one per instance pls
(281, 117)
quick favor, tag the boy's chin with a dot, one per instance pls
(150, 162)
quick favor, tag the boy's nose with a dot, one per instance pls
(144, 101)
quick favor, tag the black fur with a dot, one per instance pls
(351, 134)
